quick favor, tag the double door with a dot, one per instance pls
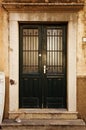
(42, 68)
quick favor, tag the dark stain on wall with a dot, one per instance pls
(81, 97)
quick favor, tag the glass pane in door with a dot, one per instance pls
(54, 50)
(30, 50)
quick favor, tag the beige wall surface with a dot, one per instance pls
(4, 53)
(81, 64)
(1, 42)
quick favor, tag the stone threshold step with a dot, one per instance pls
(42, 111)
(42, 114)
(11, 123)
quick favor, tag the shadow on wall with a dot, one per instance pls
(6, 108)
(81, 97)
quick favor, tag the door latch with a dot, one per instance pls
(44, 69)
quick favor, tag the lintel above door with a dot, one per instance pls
(50, 6)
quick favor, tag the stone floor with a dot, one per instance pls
(45, 124)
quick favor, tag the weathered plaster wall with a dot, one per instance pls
(4, 52)
(1, 42)
(81, 64)
(80, 52)
(6, 60)
(81, 92)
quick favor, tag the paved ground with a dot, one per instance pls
(77, 122)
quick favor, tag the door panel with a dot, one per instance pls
(55, 74)
(42, 66)
(30, 78)
(55, 97)
(30, 96)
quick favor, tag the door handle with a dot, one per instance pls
(44, 69)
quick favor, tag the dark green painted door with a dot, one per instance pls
(42, 66)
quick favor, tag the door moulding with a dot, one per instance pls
(14, 18)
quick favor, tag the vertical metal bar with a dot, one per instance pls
(54, 49)
(51, 51)
(25, 52)
(60, 50)
(36, 48)
(33, 52)
(57, 47)
(30, 51)
(47, 46)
